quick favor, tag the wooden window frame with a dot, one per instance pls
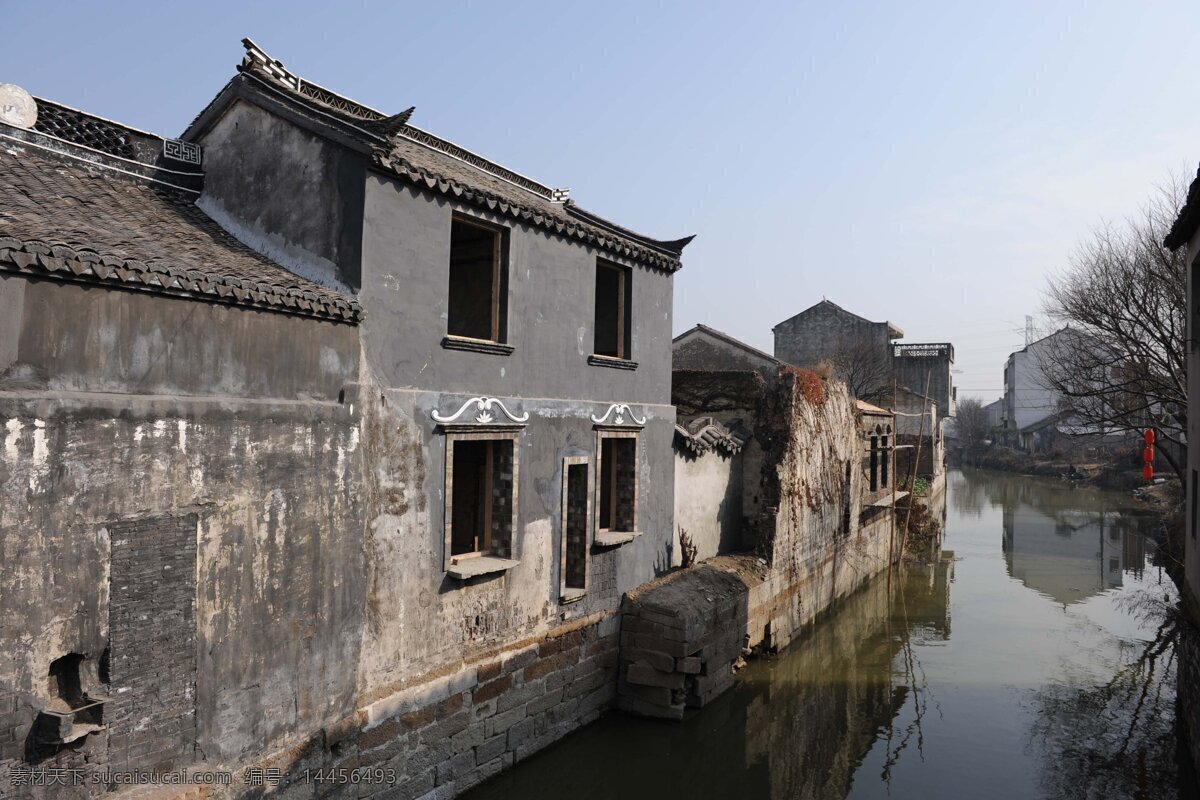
(459, 433)
(498, 343)
(624, 355)
(572, 593)
(607, 537)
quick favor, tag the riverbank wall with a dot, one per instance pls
(824, 526)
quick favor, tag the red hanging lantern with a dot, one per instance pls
(1149, 437)
(1148, 472)
(1148, 455)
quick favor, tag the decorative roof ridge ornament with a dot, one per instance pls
(392, 125)
(258, 60)
(483, 412)
(620, 409)
(255, 55)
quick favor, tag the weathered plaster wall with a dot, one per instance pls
(708, 502)
(813, 559)
(75, 338)
(418, 618)
(286, 193)
(731, 398)
(271, 483)
(551, 305)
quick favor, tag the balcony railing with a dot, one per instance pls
(938, 350)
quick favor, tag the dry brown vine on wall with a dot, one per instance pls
(810, 383)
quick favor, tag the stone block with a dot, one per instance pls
(447, 791)
(444, 729)
(519, 696)
(544, 702)
(659, 695)
(456, 765)
(689, 665)
(491, 689)
(519, 733)
(560, 643)
(502, 722)
(468, 738)
(484, 771)
(484, 710)
(488, 671)
(417, 785)
(519, 660)
(585, 684)
(647, 642)
(491, 748)
(633, 705)
(544, 666)
(648, 676)
(653, 658)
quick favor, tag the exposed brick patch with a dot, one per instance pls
(152, 624)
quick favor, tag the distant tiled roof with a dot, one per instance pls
(704, 433)
(893, 331)
(440, 166)
(867, 408)
(70, 216)
(702, 328)
(1188, 221)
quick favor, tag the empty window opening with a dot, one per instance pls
(883, 466)
(846, 501)
(576, 525)
(874, 463)
(618, 484)
(482, 498)
(70, 712)
(478, 282)
(613, 299)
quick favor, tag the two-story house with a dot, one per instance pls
(340, 438)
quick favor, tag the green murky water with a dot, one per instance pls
(1034, 663)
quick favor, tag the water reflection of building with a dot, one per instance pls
(796, 727)
(828, 698)
(1063, 542)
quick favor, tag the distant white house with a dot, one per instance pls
(1028, 403)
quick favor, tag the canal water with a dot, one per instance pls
(1033, 659)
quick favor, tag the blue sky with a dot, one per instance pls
(926, 163)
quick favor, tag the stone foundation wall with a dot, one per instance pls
(451, 730)
(679, 639)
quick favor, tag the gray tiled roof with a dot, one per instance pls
(705, 433)
(67, 219)
(437, 165)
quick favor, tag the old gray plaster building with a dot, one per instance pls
(865, 354)
(326, 442)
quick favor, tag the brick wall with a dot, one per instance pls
(625, 451)
(152, 658)
(450, 732)
(502, 499)
(577, 525)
